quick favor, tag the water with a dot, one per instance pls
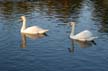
(55, 52)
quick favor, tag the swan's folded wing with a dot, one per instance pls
(83, 36)
(40, 30)
(34, 30)
(92, 38)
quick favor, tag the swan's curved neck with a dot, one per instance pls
(23, 25)
(73, 29)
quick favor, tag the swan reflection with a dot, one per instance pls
(82, 44)
(72, 48)
(23, 41)
(24, 36)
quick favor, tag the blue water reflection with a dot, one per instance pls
(56, 51)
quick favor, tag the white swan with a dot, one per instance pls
(31, 30)
(85, 35)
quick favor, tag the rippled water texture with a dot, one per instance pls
(56, 51)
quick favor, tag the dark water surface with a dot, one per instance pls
(55, 52)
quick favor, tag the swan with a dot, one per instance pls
(85, 35)
(31, 30)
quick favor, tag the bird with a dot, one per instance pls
(85, 35)
(31, 30)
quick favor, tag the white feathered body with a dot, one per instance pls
(83, 36)
(34, 30)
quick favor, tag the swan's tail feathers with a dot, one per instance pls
(43, 31)
(92, 38)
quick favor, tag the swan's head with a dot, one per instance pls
(23, 18)
(72, 23)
